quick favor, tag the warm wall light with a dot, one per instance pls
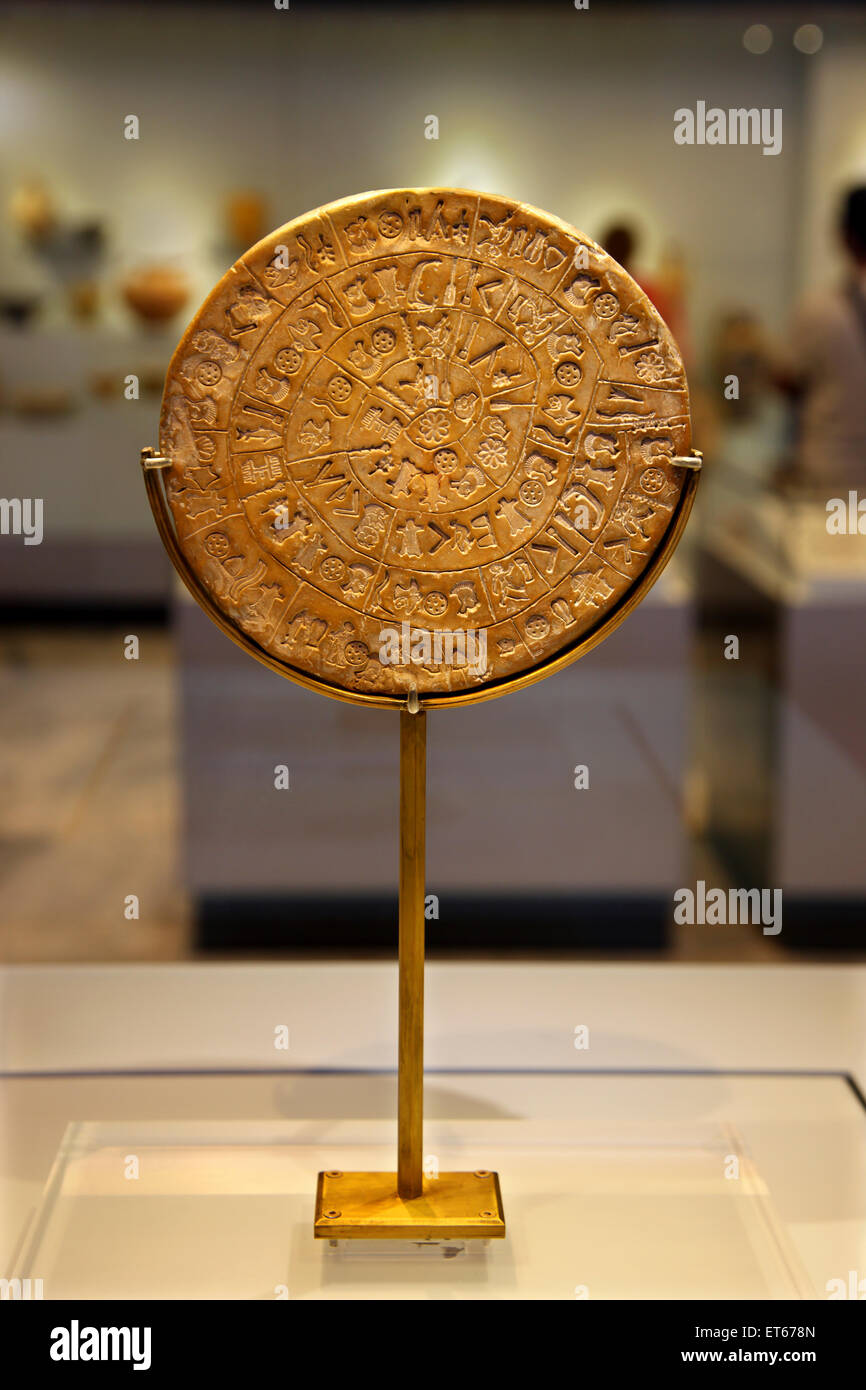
(808, 38)
(758, 38)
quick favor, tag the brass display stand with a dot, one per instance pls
(407, 1203)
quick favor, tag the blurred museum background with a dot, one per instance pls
(154, 777)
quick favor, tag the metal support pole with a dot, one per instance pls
(410, 1088)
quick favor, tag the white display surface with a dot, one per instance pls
(130, 1048)
(502, 1014)
(636, 1187)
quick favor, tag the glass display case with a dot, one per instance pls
(660, 1186)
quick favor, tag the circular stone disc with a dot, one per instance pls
(423, 437)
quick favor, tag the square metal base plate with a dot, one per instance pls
(366, 1205)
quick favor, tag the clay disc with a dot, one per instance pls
(423, 437)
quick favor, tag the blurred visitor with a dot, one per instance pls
(824, 367)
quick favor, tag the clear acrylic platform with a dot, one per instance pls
(634, 1186)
